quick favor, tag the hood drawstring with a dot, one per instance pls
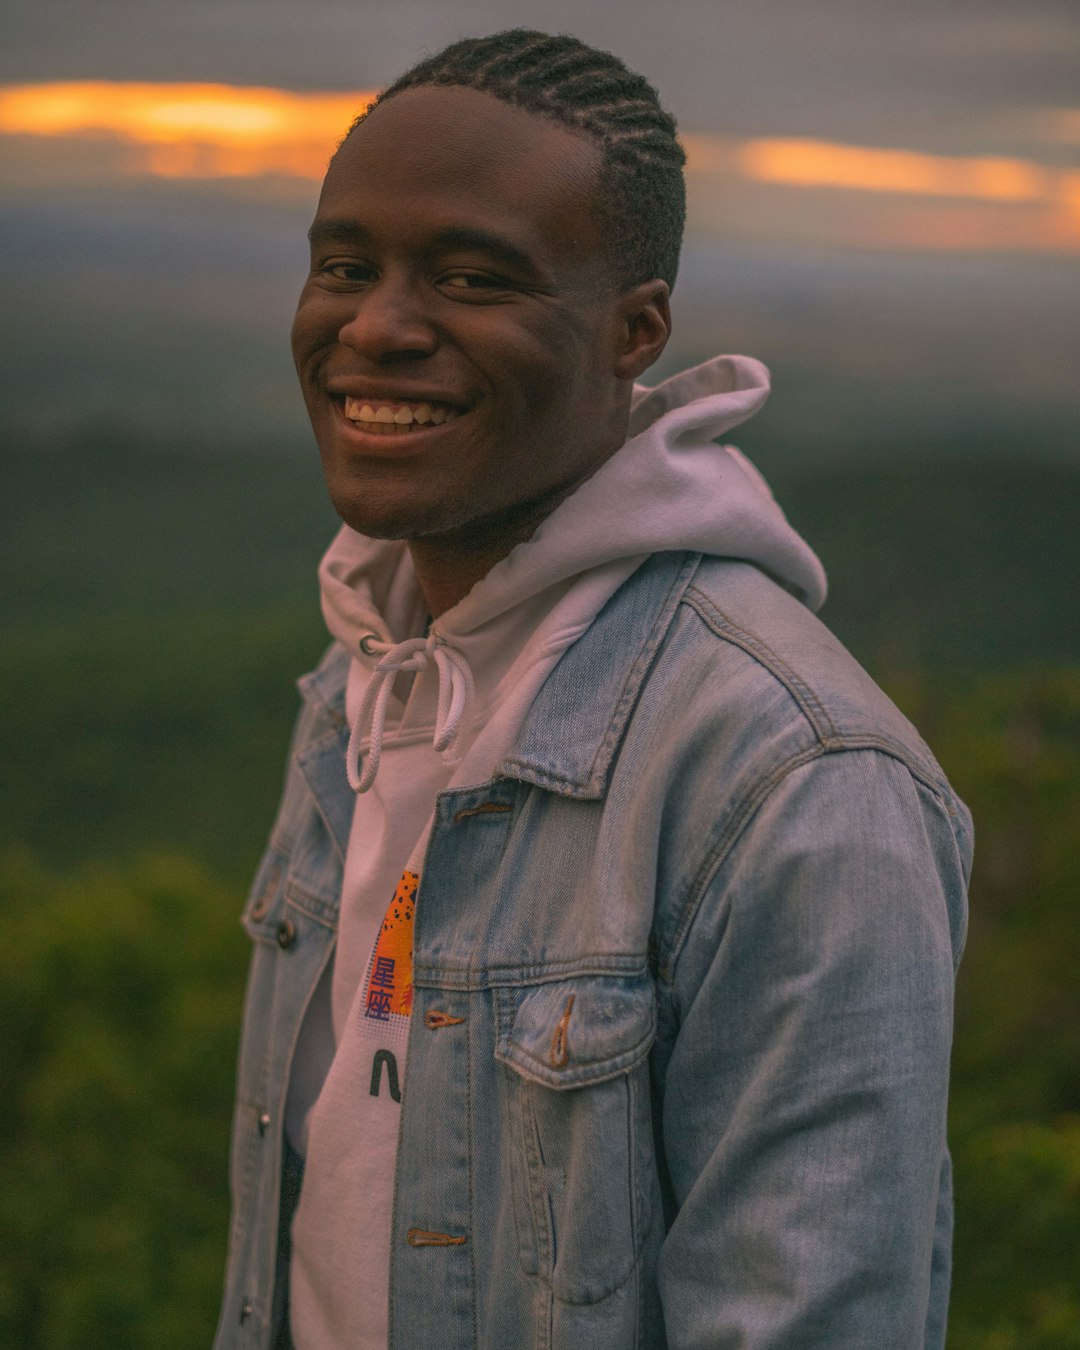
(455, 691)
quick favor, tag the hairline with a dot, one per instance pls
(604, 196)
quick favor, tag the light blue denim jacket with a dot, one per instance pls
(679, 1050)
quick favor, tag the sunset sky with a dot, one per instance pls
(849, 154)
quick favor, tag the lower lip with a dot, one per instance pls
(390, 445)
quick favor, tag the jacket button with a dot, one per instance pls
(260, 907)
(286, 934)
(245, 1310)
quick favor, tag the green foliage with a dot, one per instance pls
(1011, 747)
(946, 567)
(99, 529)
(118, 1027)
(151, 733)
(1017, 1237)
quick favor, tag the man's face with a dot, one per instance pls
(457, 338)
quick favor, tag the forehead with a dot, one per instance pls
(466, 156)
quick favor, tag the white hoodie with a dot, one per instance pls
(478, 669)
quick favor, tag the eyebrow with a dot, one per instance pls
(468, 238)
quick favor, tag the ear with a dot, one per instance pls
(644, 326)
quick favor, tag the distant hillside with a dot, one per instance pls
(950, 567)
(954, 567)
(157, 608)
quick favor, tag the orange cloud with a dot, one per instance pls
(216, 131)
(191, 130)
(808, 163)
(990, 202)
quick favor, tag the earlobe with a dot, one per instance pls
(645, 326)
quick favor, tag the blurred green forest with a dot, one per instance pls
(157, 607)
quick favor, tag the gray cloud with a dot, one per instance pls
(938, 75)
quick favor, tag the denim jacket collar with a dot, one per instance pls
(569, 738)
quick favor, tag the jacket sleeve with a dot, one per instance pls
(804, 1095)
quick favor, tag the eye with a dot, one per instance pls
(349, 273)
(473, 281)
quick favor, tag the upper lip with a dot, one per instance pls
(351, 387)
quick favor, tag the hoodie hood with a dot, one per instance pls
(669, 487)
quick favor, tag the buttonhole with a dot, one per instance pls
(421, 1237)
(486, 809)
(560, 1045)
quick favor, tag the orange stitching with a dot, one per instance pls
(560, 1048)
(436, 1018)
(484, 809)
(420, 1237)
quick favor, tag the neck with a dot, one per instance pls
(448, 565)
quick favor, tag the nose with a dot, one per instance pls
(389, 323)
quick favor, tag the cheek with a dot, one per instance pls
(314, 325)
(537, 367)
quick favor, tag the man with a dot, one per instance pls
(604, 946)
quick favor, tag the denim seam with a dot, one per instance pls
(725, 629)
(637, 676)
(543, 1218)
(717, 853)
(632, 688)
(514, 975)
(470, 1135)
(395, 1199)
(752, 801)
(941, 807)
(240, 1234)
(310, 903)
(636, 1219)
(278, 1151)
(537, 1192)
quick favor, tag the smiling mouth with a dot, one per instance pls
(391, 418)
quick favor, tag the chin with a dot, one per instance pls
(390, 521)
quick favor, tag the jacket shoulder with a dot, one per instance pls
(796, 678)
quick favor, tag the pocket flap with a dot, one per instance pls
(574, 1032)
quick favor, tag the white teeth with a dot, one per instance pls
(403, 415)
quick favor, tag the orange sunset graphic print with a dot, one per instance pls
(390, 985)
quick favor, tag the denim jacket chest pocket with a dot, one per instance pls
(577, 1108)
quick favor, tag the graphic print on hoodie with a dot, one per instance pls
(388, 989)
(475, 674)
